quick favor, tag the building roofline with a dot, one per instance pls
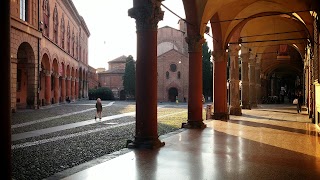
(69, 4)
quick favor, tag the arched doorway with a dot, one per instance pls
(25, 94)
(173, 93)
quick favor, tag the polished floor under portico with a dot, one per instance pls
(270, 142)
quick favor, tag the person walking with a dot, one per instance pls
(300, 101)
(99, 109)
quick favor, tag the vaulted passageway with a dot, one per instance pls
(274, 44)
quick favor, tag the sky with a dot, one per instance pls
(113, 32)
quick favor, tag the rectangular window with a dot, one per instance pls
(23, 10)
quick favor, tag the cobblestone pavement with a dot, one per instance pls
(55, 138)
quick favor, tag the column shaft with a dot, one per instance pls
(235, 108)
(245, 81)
(147, 14)
(77, 89)
(5, 64)
(258, 84)
(73, 88)
(63, 89)
(56, 89)
(252, 82)
(48, 88)
(220, 86)
(69, 87)
(195, 105)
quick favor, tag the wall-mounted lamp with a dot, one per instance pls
(40, 25)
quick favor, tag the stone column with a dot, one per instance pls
(5, 123)
(73, 79)
(77, 88)
(48, 87)
(258, 83)
(220, 85)
(56, 88)
(245, 81)
(235, 108)
(252, 82)
(85, 89)
(272, 85)
(69, 87)
(80, 88)
(195, 106)
(147, 14)
(63, 89)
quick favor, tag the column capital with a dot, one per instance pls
(56, 75)
(195, 43)
(245, 57)
(147, 15)
(252, 61)
(234, 49)
(47, 72)
(219, 55)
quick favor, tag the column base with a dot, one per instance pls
(221, 116)
(235, 111)
(144, 143)
(194, 125)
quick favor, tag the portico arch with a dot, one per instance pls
(26, 69)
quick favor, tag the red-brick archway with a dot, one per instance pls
(25, 94)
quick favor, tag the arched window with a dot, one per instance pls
(55, 24)
(167, 75)
(72, 49)
(76, 55)
(179, 75)
(68, 38)
(62, 31)
(46, 15)
(80, 50)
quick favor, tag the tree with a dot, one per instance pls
(206, 71)
(129, 77)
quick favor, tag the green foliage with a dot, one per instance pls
(206, 70)
(129, 78)
(103, 93)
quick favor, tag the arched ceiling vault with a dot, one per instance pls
(233, 12)
(262, 23)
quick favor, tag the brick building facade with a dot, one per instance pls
(49, 53)
(113, 77)
(173, 63)
(93, 81)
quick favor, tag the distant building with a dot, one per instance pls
(173, 67)
(100, 70)
(93, 81)
(173, 64)
(113, 77)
